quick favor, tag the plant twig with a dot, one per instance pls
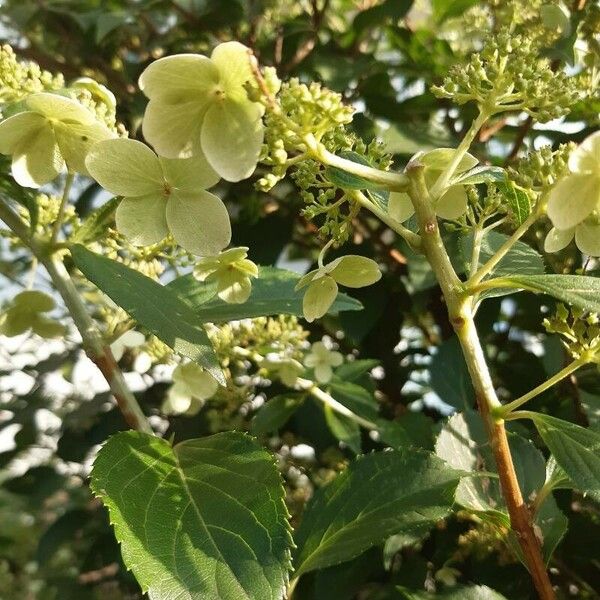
(460, 310)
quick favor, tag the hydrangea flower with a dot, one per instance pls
(574, 202)
(161, 195)
(130, 339)
(322, 360)
(200, 105)
(53, 132)
(192, 387)
(286, 369)
(26, 311)
(351, 271)
(453, 202)
(231, 271)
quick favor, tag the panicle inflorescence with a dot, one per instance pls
(541, 169)
(579, 329)
(508, 74)
(18, 78)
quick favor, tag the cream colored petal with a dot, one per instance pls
(232, 136)
(587, 238)
(173, 130)
(189, 174)
(311, 360)
(586, 158)
(60, 108)
(232, 59)
(75, 142)
(453, 203)
(323, 373)
(400, 207)
(199, 222)
(440, 158)
(558, 239)
(234, 289)
(356, 271)
(179, 78)
(572, 199)
(335, 359)
(319, 296)
(125, 167)
(17, 128)
(37, 159)
(47, 328)
(142, 220)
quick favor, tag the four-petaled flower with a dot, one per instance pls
(452, 203)
(286, 369)
(200, 105)
(26, 311)
(192, 387)
(574, 202)
(161, 195)
(53, 132)
(231, 271)
(351, 271)
(322, 360)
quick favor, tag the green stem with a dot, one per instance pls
(91, 336)
(502, 412)
(413, 239)
(328, 400)
(390, 180)
(488, 267)
(477, 239)
(63, 207)
(460, 311)
(444, 179)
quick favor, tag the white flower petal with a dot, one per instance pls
(178, 78)
(572, 199)
(232, 59)
(355, 271)
(75, 141)
(587, 238)
(335, 358)
(232, 136)
(125, 167)
(234, 288)
(319, 297)
(323, 373)
(142, 220)
(400, 207)
(189, 174)
(60, 108)
(199, 222)
(173, 130)
(37, 159)
(453, 203)
(17, 128)
(557, 239)
(586, 158)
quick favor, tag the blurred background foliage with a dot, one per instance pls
(383, 56)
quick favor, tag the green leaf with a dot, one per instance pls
(156, 307)
(460, 592)
(481, 174)
(575, 449)
(518, 201)
(272, 293)
(275, 413)
(94, 227)
(203, 519)
(449, 376)
(355, 369)
(373, 16)
(378, 495)
(343, 429)
(578, 290)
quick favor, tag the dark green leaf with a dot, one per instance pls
(156, 307)
(272, 294)
(275, 413)
(203, 519)
(482, 174)
(518, 201)
(343, 429)
(449, 376)
(378, 495)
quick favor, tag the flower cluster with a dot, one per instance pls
(27, 311)
(19, 79)
(509, 75)
(540, 169)
(580, 331)
(574, 202)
